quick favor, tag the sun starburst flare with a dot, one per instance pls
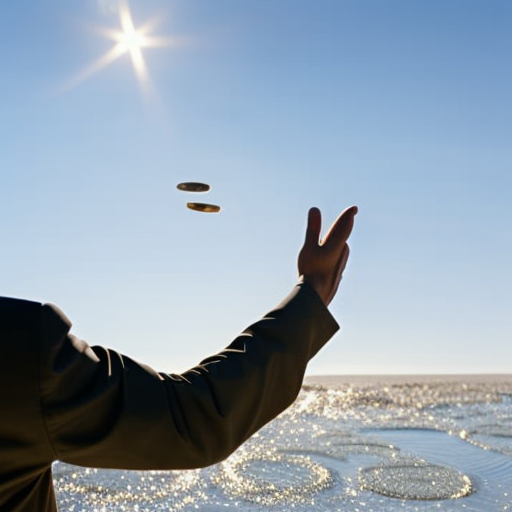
(127, 40)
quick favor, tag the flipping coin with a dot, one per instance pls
(203, 207)
(192, 186)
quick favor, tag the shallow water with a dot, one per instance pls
(409, 446)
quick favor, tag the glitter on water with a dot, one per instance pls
(412, 446)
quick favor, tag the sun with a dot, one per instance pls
(127, 40)
(132, 41)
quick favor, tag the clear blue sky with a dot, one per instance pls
(401, 107)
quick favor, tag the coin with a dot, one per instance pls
(203, 207)
(192, 186)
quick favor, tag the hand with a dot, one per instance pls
(322, 264)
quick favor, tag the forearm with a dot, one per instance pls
(233, 394)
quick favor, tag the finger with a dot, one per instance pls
(339, 270)
(343, 260)
(314, 227)
(341, 229)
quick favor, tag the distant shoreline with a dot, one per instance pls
(338, 380)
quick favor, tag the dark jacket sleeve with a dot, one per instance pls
(103, 409)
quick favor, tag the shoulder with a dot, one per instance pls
(13, 303)
(16, 312)
(55, 325)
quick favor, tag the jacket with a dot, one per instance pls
(61, 399)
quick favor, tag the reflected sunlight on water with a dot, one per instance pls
(411, 446)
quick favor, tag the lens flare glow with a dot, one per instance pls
(127, 40)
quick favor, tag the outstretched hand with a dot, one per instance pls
(321, 263)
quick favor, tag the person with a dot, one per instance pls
(61, 399)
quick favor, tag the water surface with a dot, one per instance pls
(347, 444)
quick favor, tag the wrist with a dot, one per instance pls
(319, 286)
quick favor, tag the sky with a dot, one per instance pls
(401, 108)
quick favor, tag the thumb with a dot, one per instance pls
(314, 227)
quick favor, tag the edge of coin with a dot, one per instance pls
(204, 207)
(202, 187)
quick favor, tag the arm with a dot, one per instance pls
(103, 409)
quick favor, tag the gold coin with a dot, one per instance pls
(203, 207)
(192, 186)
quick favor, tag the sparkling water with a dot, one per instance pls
(409, 445)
